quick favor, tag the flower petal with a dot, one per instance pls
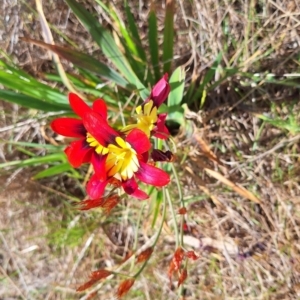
(78, 105)
(98, 162)
(95, 188)
(69, 127)
(152, 175)
(99, 129)
(139, 141)
(78, 152)
(160, 91)
(99, 106)
(161, 131)
(131, 188)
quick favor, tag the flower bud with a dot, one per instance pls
(160, 91)
(124, 287)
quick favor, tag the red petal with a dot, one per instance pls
(95, 188)
(99, 129)
(99, 106)
(161, 131)
(98, 162)
(139, 141)
(69, 127)
(78, 105)
(78, 152)
(152, 175)
(139, 194)
(131, 188)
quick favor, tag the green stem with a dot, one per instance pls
(174, 218)
(157, 236)
(181, 201)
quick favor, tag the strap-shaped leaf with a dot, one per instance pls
(54, 170)
(84, 61)
(106, 42)
(134, 33)
(168, 35)
(32, 102)
(16, 79)
(35, 161)
(153, 42)
(177, 82)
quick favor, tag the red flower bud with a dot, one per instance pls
(160, 91)
(144, 255)
(110, 203)
(100, 274)
(159, 155)
(182, 211)
(124, 287)
(90, 203)
(86, 285)
(95, 276)
(191, 255)
(182, 277)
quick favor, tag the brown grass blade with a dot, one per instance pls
(240, 190)
(205, 149)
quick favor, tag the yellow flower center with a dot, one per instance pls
(94, 143)
(121, 160)
(146, 116)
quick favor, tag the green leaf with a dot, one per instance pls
(168, 42)
(13, 78)
(130, 46)
(84, 61)
(55, 170)
(35, 161)
(31, 102)
(153, 43)
(140, 52)
(135, 34)
(177, 82)
(49, 147)
(106, 42)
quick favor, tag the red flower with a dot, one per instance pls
(124, 160)
(85, 148)
(149, 121)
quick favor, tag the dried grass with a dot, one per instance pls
(249, 249)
